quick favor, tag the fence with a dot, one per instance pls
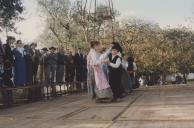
(26, 94)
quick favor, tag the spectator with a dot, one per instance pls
(115, 72)
(2, 53)
(178, 79)
(29, 65)
(43, 65)
(79, 68)
(51, 69)
(8, 68)
(52, 64)
(32, 95)
(8, 62)
(20, 64)
(35, 61)
(70, 67)
(85, 69)
(60, 65)
(7, 73)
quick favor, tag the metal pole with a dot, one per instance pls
(89, 12)
(95, 4)
(113, 18)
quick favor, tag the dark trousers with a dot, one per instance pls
(130, 84)
(35, 70)
(70, 74)
(60, 73)
(34, 94)
(51, 71)
(7, 98)
(7, 94)
(132, 80)
(79, 76)
(115, 83)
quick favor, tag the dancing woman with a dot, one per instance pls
(98, 86)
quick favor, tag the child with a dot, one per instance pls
(115, 73)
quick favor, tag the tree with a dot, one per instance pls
(158, 50)
(71, 23)
(181, 43)
(92, 20)
(58, 21)
(10, 11)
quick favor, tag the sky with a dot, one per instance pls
(163, 12)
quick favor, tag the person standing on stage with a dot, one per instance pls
(98, 86)
(115, 73)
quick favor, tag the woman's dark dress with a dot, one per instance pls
(19, 68)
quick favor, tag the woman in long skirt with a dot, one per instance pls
(98, 86)
(20, 64)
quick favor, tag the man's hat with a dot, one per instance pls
(52, 48)
(119, 48)
(33, 44)
(116, 48)
(44, 49)
(10, 38)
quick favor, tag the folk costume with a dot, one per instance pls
(98, 86)
(115, 73)
(20, 66)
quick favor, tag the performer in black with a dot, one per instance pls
(115, 73)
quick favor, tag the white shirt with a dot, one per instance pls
(21, 50)
(134, 66)
(117, 64)
(125, 64)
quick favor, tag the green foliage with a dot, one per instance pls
(156, 49)
(73, 24)
(9, 12)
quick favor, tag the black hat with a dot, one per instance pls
(116, 47)
(33, 44)
(44, 49)
(130, 59)
(10, 38)
(52, 48)
(116, 44)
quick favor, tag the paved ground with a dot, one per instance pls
(155, 107)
